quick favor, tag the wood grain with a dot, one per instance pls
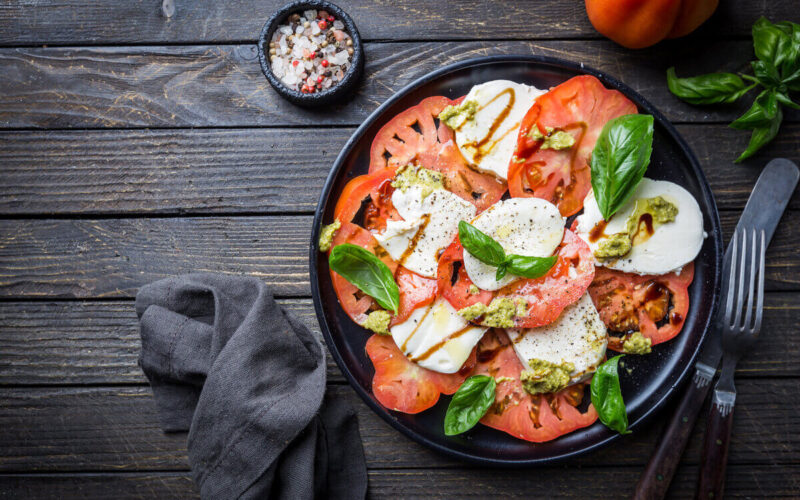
(116, 428)
(59, 343)
(65, 21)
(113, 257)
(222, 85)
(225, 171)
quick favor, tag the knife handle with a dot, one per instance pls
(715, 451)
(658, 472)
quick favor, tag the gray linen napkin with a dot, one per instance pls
(247, 380)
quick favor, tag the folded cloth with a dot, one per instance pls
(247, 380)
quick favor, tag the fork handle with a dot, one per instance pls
(657, 475)
(715, 452)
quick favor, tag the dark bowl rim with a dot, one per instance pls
(715, 233)
(353, 72)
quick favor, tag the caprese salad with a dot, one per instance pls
(459, 251)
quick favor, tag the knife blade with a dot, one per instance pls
(763, 210)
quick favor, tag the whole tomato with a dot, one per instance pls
(641, 23)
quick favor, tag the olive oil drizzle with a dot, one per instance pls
(480, 151)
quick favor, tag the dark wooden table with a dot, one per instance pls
(136, 146)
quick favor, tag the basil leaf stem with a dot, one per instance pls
(619, 160)
(367, 272)
(469, 404)
(484, 248)
(607, 396)
(712, 88)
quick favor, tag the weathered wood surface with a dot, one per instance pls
(113, 257)
(222, 85)
(73, 343)
(116, 428)
(141, 21)
(226, 171)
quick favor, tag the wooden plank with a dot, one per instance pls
(224, 171)
(101, 428)
(173, 485)
(72, 21)
(58, 343)
(113, 257)
(173, 86)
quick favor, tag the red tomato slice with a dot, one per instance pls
(358, 189)
(539, 418)
(415, 291)
(404, 386)
(546, 296)
(655, 305)
(409, 137)
(581, 106)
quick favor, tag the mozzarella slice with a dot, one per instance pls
(488, 140)
(578, 336)
(429, 224)
(436, 337)
(672, 244)
(524, 226)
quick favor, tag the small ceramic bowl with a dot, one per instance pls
(336, 92)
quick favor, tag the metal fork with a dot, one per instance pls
(744, 305)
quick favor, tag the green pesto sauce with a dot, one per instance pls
(474, 290)
(637, 344)
(553, 139)
(411, 175)
(378, 322)
(327, 234)
(544, 376)
(500, 313)
(619, 244)
(521, 307)
(456, 116)
(470, 313)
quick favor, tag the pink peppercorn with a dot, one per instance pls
(324, 63)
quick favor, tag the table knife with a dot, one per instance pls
(764, 209)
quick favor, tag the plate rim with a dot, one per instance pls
(384, 413)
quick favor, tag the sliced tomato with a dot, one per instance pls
(404, 386)
(654, 305)
(539, 418)
(415, 291)
(371, 185)
(546, 296)
(410, 137)
(581, 106)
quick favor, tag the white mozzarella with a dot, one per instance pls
(436, 337)
(672, 245)
(578, 336)
(490, 147)
(524, 226)
(429, 224)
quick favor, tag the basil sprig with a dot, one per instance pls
(481, 246)
(607, 396)
(469, 404)
(619, 159)
(366, 272)
(777, 70)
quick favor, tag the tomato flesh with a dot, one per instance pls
(581, 106)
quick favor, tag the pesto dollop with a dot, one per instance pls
(378, 322)
(327, 234)
(499, 313)
(552, 139)
(456, 116)
(618, 245)
(474, 290)
(637, 344)
(544, 376)
(471, 313)
(412, 175)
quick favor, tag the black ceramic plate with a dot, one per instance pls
(654, 377)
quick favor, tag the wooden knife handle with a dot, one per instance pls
(655, 479)
(715, 452)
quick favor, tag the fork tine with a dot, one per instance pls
(731, 279)
(760, 299)
(740, 281)
(752, 281)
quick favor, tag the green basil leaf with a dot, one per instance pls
(469, 404)
(760, 114)
(784, 99)
(366, 272)
(530, 267)
(502, 269)
(607, 396)
(761, 136)
(713, 88)
(619, 160)
(769, 42)
(480, 245)
(766, 73)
